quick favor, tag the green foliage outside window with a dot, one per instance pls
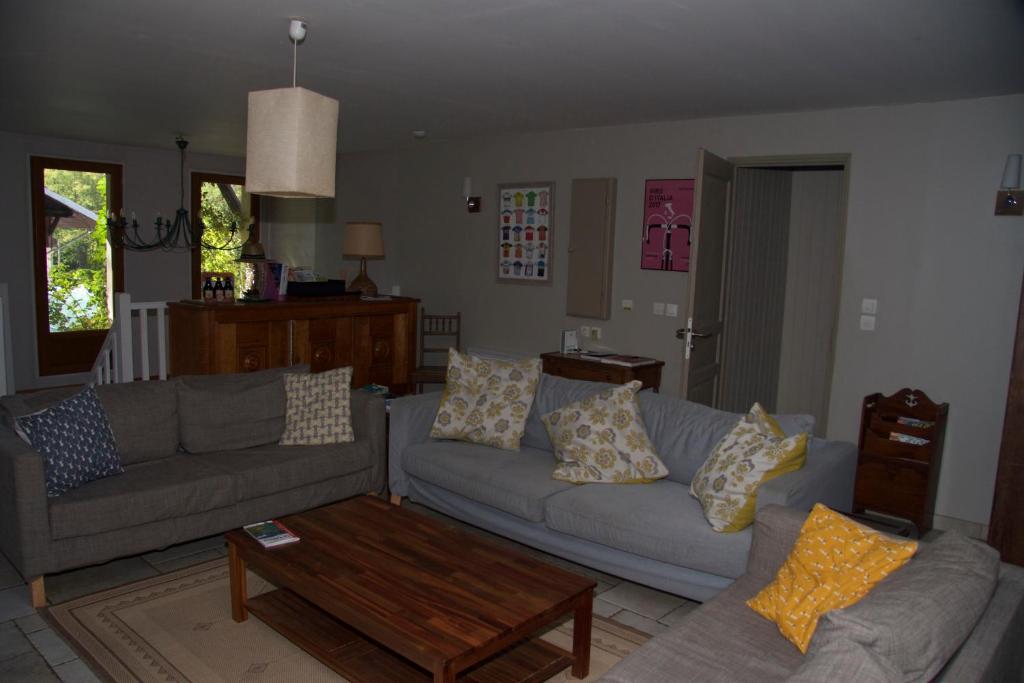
(77, 280)
(217, 220)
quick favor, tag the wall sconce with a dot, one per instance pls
(472, 203)
(1010, 199)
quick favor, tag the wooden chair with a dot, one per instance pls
(431, 327)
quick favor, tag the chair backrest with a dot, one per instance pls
(436, 331)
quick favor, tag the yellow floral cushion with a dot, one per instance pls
(833, 564)
(486, 401)
(755, 451)
(602, 439)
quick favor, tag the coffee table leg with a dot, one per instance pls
(582, 621)
(239, 593)
(445, 674)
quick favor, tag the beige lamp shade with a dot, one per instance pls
(363, 239)
(291, 143)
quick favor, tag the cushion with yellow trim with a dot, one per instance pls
(601, 439)
(833, 564)
(486, 400)
(753, 452)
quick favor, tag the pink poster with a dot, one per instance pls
(668, 207)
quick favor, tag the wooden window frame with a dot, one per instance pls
(195, 207)
(61, 353)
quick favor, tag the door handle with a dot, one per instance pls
(683, 331)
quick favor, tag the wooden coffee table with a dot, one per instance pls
(380, 593)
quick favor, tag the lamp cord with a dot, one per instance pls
(295, 59)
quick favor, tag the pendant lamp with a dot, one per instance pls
(292, 138)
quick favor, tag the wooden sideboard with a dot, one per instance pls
(376, 338)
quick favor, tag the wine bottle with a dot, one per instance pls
(229, 290)
(208, 289)
(218, 290)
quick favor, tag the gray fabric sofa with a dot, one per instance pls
(654, 534)
(165, 495)
(953, 613)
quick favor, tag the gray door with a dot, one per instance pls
(702, 336)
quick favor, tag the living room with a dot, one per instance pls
(920, 237)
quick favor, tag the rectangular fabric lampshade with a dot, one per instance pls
(291, 143)
(363, 239)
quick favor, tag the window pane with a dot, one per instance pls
(78, 272)
(224, 207)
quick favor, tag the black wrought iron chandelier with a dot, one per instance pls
(178, 235)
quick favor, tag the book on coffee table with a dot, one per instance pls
(270, 533)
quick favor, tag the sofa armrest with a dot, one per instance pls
(411, 420)
(24, 510)
(369, 421)
(776, 529)
(827, 477)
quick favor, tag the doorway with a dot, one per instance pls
(781, 284)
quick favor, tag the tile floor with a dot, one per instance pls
(31, 651)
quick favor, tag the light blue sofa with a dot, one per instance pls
(654, 534)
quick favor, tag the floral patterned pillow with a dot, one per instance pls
(754, 451)
(486, 401)
(601, 439)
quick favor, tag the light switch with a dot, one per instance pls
(659, 308)
(867, 323)
(671, 310)
(627, 304)
(869, 306)
(595, 333)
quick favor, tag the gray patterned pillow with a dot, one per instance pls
(319, 408)
(75, 440)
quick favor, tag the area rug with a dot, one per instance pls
(178, 627)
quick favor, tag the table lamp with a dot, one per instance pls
(364, 240)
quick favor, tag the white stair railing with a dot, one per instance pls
(116, 362)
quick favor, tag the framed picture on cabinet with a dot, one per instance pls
(525, 232)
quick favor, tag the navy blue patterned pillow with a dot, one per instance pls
(75, 440)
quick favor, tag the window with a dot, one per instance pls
(221, 202)
(76, 269)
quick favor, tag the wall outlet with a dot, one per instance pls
(869, 306)
(627, 304)
(867, 323)
(671, 310)
(595, 333)
(659, 308)
(585, 331)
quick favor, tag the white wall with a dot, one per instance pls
(151, 186)
(921, 238)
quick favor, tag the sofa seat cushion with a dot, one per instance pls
(147, 492)
(515, 482)
(723, 641)
(265, 470)
(660, 520)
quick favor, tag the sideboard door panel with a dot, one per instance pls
(257, 346)
(330, 344)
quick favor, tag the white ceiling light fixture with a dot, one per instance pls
(292, 137)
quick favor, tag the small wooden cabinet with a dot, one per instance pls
(571, 365)
(900, 478)
(376, 338)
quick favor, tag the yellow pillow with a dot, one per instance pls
(601, 439)
(833, 564)
(486, 401)
(755, 451)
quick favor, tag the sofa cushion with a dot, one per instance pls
(553, 393)
(144, 417)
(227, 412)
(601, 439)
(486, 400)
(833, 564)
(319, 408)
(265, 470)
(720, 642)
(172, 487)
(75, 440)
(754, 451)
(659, 520)
(845, 660)
(919, 616)
(515, 482)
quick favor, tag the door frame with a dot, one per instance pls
(196, 180)
(807, 161)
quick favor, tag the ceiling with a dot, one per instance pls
(141, 71)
